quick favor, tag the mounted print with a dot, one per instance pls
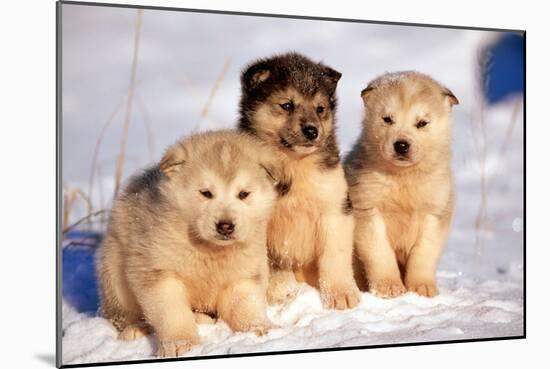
(234, 184)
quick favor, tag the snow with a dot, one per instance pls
(465, 309)
(480, 275)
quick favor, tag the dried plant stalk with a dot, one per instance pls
(121, 158)
(83, 219)
(66, 208)
(508, 136)
(69, 198)
(482, 159)
(213, 92)
(95, 155)
(147, 122)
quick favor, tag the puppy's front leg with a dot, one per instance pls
(338, 288)
(377, 255)
(167, 309)
(243, 307)
(424, 256)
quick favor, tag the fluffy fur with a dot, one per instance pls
(289, 102)
(189, 236)
(400, 181)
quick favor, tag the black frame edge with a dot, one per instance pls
(58, 181)
(292, 352)
(303, 17)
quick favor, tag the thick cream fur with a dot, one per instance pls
(403, 210)
(162, 260)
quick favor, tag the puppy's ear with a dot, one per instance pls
(450, 97)
(173, 159)
(277, 176)
(332, 76)
(366, 91)
(255, 75)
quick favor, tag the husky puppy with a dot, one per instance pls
(189, 235)
(399, 173)
(289, 102)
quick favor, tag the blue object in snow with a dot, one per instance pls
(80, 288)
(503, 67)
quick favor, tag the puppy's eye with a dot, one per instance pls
(387, 120)
(289, 106)
(206, 194)
(421, 124)
(243, 195)
(320, 109)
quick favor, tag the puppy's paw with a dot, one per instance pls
(427, 289)
(259, 325)
(174, 348)
(134, 331)
(262, 329)
(386, 288)
(340, 297)
(280, 293)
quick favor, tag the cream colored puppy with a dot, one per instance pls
(400, 179)
(189, 235)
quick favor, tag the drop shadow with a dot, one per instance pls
(46, 358)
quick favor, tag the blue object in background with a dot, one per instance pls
(80, 288)
(503, 65)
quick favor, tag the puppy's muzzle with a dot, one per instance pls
(225, 228)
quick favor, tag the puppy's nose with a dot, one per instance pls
(225, 227)
(401, 147)
(310, 132)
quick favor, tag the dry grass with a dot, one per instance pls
(480, 146)
(213, 92)
(131, 89)
(131, 98)
(486, 180)
(479, 135)
(97, 147)
(84, 219)
(128, 98)
(514, 118)
(102, 219)
(482, 222)
(147, 122)
(70, 197)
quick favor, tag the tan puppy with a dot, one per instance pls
(190, 235)
(399, 173)
(289, 102)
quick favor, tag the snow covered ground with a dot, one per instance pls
(465, 309)
(481, 273)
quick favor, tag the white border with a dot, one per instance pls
(27, 30)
